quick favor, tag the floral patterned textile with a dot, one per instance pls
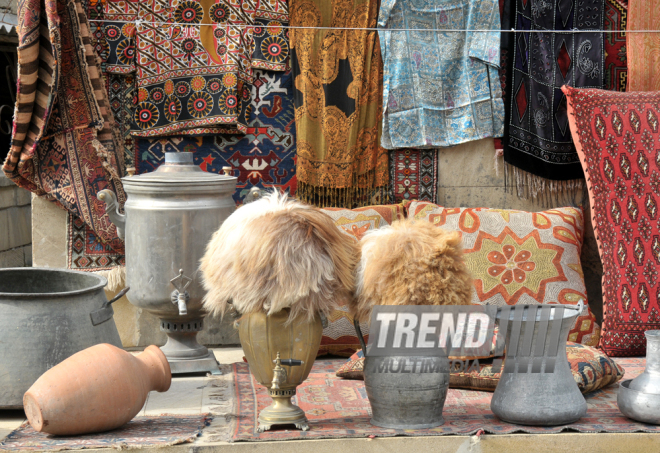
(592, 370)
(340, 338)
(617, 137)
(537, 139)
(643, 48)
(119, 34)
(440, 88)
(338, 79)
(518, 257)
(194, 76)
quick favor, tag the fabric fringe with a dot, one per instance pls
(344, 197)
(546, 191)
(116, 278)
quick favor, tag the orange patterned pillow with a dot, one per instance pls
(339, 338)
(519, 257)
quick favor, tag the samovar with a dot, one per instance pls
(169, 217)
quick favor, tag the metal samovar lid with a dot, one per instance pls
(179, 169)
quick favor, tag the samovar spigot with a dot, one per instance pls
(180, 296)
(282, 411)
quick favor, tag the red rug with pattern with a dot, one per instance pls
(414, 174)
(141, 432)
(339, 408)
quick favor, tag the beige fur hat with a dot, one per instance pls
(410, 263)
(276, 253)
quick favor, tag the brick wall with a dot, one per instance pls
(15, 225)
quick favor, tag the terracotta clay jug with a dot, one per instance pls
(95, 390)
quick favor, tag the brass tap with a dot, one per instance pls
(279, 374)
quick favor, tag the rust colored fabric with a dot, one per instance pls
(643, 48)
(338, 99)
(63, 143)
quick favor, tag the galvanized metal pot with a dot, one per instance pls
(639, 398)
(405, 392)
(170, 216)
(542, 398)
(263, 339)
(44, 319)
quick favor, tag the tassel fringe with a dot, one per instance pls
(345, 197)
(545, 191)
(116, 278)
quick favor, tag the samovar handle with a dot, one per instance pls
(112, 209)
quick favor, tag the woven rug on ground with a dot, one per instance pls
(339, 408)
(141, 432)
(414, 174)
(538, 147)
(617, 135)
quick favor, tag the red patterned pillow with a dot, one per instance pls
(519, 257)
(617, 136)
(339, 338)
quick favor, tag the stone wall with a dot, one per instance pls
(467, 178)
(15, 225)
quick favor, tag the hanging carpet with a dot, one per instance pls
(538, 142)
(616, 56)
(63, 143)
(264, 157)
(338, 99)
(414, 174)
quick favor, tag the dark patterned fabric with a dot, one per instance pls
(538, 140)
(505, 44)
(617, 137)
(616, 67)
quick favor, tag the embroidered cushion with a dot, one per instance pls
(339, 338)
(592, 370)
(617, 136)
(519, 257)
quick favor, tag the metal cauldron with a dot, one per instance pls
(639, 398)
(44, 319)
(170, 216)
(539, 398)
(405, 392)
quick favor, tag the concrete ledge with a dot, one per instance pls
(488, 443)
